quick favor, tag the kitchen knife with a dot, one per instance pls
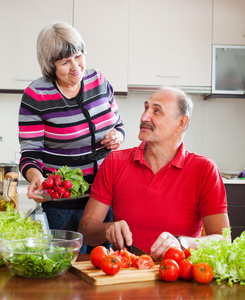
(135, 250)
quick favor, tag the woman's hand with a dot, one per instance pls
(113, 139)
(165, 241)
(35, 178)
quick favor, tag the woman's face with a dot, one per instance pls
(69, 71)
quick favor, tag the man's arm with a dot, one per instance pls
(213, 226)
(95, 232)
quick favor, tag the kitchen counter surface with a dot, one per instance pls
(70, 286)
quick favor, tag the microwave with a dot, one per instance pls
(228, 70)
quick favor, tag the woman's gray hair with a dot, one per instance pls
(55, 42)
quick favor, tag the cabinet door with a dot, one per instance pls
(170, 42)
(229, 22)
(104, 28)
(20, 23)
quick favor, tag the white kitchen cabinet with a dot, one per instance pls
(229, 22)
(20, 23)
(170, 42)
(104, 27)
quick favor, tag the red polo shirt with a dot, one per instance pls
(175, 199)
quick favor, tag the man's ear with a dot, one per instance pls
(183, 120)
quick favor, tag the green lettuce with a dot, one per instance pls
(79, 185)
(12, 225)
(226, 259)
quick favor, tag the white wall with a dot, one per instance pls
(216, 128)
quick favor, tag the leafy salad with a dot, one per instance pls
(32, 261)
(226, 259)
(12, 225)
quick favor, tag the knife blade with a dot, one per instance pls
(137, 251)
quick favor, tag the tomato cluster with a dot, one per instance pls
(176, 265)
(111, 261)
(56, 188)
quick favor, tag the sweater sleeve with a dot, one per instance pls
(31, 136)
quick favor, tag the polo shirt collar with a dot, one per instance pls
(177, 161)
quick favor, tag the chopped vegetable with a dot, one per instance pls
(226, 259)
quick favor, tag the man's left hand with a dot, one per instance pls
(165, 241)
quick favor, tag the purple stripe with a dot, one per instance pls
(96, 103)
(45, 89)
(60, 114)
(90, 76)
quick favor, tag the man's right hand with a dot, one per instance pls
(118, 232)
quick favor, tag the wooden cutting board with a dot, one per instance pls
(88, 272)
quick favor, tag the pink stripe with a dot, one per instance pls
(66, 130)
(31, 134)
(89, 171)
(40, 97)
(95, 83)
(31, 165)
(66, 137)
(31, 128)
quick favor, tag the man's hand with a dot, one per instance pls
(165, 241)
(118, 232)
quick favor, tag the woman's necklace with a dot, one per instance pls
(62, 91)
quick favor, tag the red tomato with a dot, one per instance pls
(202, 272)
(145, 262)
(67, 184)
(175, 254)
(187, 252)
(97, 254)
(169, 270)
(185, 269)
(134, 261)
(110, 265)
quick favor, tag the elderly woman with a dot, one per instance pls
(67, 117)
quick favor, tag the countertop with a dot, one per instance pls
(70, 286)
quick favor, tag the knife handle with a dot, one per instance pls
(129, 248)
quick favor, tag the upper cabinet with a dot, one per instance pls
(20, 23)
(229, 22)
(104, 28)
(170, 42)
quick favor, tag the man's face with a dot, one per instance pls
(160, 121)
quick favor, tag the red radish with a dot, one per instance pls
(44, 185)
(66, 194)
(50, 191)
(61, 190)
(58, 182)
(67, 184)
(49, 183)
(55, 195)
(57, 176)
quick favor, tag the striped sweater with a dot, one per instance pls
(55, 131)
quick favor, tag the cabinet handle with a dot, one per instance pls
(24, 79)
(176, 76)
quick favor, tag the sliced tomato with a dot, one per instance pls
(134, 261)
(145, 262)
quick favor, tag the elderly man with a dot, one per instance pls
(162, 195)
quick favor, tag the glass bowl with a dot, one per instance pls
(47, 256)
